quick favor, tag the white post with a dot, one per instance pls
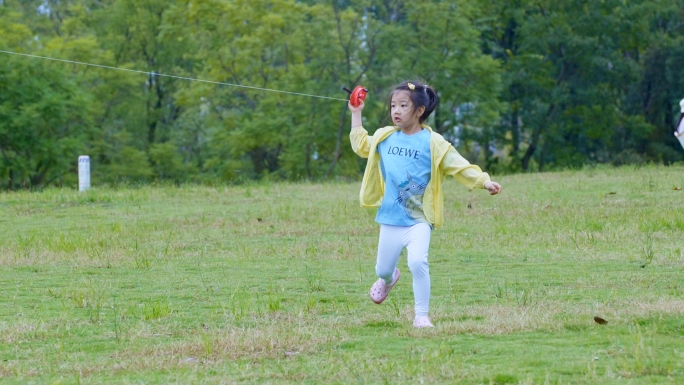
(679, 132)
(83, 173)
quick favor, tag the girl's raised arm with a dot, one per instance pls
(356, 119)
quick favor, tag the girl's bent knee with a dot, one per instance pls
(386, 274)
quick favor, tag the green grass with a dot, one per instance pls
(268, 283)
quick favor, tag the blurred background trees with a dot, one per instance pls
(524, 85)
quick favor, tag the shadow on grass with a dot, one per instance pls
(383, 324)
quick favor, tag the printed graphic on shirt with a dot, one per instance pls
(411, 198)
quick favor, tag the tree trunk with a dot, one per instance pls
(155, 111)
(531, 149)
(535, 137)
(338, 146)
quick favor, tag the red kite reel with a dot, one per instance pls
(356, 96)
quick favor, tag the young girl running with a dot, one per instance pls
(407, 163)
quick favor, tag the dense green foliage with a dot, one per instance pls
(524, 85)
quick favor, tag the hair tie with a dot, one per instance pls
(411, 86)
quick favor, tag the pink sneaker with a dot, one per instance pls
(422, 322)
(380, 290)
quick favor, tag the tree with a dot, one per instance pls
(44, 122)
(572, 71)
(262, 44)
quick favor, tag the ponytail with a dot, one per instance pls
(432, 102)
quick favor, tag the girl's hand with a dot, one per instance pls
(493, 187)
(358, 108)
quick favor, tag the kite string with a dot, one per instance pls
(152, 73)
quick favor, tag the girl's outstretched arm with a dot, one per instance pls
(467, 174)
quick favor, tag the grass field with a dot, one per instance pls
(269, 283)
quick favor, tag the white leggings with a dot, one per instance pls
(416, 239)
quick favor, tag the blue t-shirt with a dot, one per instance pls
(405, 163)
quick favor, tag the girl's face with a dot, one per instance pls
(403, 112)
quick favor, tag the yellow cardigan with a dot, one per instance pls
(445, 161)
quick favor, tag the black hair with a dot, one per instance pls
(421, 95)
